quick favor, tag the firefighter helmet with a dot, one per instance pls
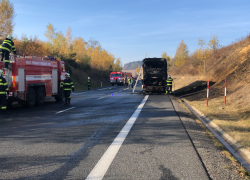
(169, 76)
(88, 77)
(67, 74)
(10, 37)
(1, 72)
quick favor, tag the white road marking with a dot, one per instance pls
(65, 110)
(101, 97)
(80, 93)
(103, 89)
(103, 164)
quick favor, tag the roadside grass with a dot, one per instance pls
(236, 165)
(233, 121)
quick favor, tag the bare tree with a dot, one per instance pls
(93, 43)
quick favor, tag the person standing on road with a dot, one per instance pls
(5, 48)
(169, 85)
(3, 89)
(132, 82)
(67, 85)
(129, 83)
(124, 82)
(89, 83)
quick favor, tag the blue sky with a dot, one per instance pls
(131, 28)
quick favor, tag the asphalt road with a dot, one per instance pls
(107, 133)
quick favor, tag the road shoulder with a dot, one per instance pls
(217, 166)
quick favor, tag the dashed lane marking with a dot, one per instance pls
(65, 110)
(103, 164)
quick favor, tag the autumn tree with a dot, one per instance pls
(80, 54)
(34, 47)
(181, 54)
(78, 46)
(7, 15)
(137, 70)
(21, 44)
(31, 46)
(214, 43)
(165, 56)
(50, 33)
(117, 67)
(59, 45)
(202, 54)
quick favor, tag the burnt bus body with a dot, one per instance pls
(154, 74)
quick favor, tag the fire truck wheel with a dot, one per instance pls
(31, 97)
(40, 96)
(60, 95)
(9, 103)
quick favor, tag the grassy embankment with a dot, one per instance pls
(231, 63)
(79, 77)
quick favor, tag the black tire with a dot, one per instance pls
(31, 97)
(60, 96)
(9, 103)
(40, 96)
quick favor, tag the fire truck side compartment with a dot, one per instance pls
(21, 80)
(54, 81)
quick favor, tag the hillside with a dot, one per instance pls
(79, 77)
(132, 65)
(231, 63)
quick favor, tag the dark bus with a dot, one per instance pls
(154, 75)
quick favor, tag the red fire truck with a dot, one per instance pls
(30, 79)
(117, 77)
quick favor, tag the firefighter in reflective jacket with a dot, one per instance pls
(5, 48)
(169, 84)
(3, 89)
(67, 85)
(89, 83)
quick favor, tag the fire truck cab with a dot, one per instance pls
(30, 79)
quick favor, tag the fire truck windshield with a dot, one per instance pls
(115, 75)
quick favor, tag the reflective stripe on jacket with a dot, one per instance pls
(3, 85)
(169, 82)
(89, 83)
(7, 45)
(67, 84)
